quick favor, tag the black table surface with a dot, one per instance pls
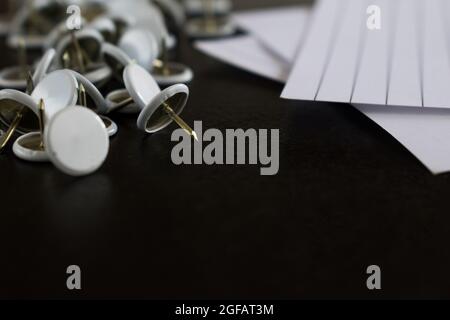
(347, 196)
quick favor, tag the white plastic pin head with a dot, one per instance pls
(76, 141)
(58, 90)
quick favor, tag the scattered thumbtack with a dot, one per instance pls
(76, 141)
(169, 73)
(159, 108)
(30, 147)
(210, 25)
(33, 21)
(85, 89)
(81, 51)
(197, 7)
(58, 90)
(141, 46)
(15, 77)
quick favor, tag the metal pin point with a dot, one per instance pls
(66, 60)
(181, 123)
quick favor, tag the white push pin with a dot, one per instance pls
(87, 89)
(168, 73)
(30, 146)
(76, 141)
(210, 25)
(197, 7)
(81, 51)
(159, 108)
(17, 108)
(141, 46)
(58, 90)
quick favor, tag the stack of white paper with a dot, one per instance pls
(404, 63)
(424, 131)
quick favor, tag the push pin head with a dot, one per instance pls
(198, 7)
(35, 21)
(58, 90)
(160, 108)
(76, 141)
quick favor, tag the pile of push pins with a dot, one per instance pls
(56, 105)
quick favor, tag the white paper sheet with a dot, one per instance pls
(423, 131)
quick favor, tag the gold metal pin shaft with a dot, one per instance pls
(181, 123)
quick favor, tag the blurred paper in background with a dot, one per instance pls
(423, 131)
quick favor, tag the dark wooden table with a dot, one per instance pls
(347, 196)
